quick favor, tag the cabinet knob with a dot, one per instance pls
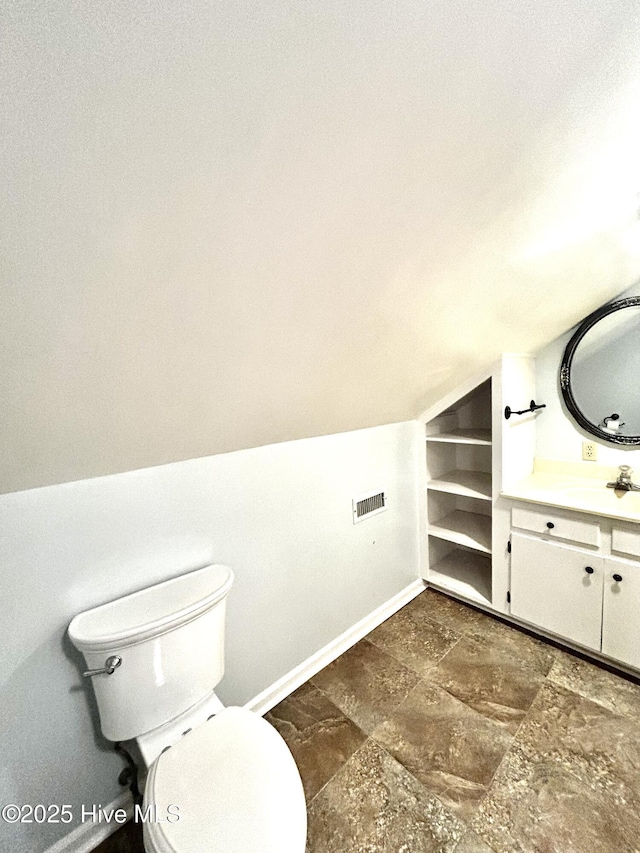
(588, 570)
(617, 578)
(550, 525)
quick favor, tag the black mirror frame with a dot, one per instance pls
(565, 372)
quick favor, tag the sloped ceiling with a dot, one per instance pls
(227, 224)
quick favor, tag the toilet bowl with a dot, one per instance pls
(219, 779)
(237, 776)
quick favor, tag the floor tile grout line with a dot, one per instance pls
(521, 664)
(466, 824)
(466, 828)
(341, 768)
(435, 795)
(622, 713)
(536, 758)
(346, 716)
(615, 711)
(343, 712)
(419, 676)
(516, 662)
(379, 648)
(406, 663)
(369, 737)
(419, 683)
(489, 847)
(514, 742)
(432, 794)
(544, 679)
(451, 601)
(387, 714)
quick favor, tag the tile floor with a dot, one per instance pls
(447, 731)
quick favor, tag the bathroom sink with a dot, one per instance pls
(575, 493)
(586, 493)
(600, 494)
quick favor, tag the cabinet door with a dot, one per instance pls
(552, 586)
(621, 611)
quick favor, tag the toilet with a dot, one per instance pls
(220, 779)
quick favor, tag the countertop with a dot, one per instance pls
(562, 488)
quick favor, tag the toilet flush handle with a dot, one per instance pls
(110, 666)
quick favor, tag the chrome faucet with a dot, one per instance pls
(623, 483)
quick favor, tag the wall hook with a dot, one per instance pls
(532, 408)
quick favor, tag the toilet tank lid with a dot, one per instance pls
(150, 611)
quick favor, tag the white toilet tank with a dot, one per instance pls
(171, 640)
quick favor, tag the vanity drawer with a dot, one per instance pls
(625, 541)
(557, 526)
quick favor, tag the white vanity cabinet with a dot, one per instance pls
(587, 595)
(621, 611)
(558, 588)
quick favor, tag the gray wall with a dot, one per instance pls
(280, 516)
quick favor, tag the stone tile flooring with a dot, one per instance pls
(447, 731)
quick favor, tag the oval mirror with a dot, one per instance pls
(600, 372)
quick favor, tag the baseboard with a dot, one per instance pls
(270, 697)
(86, 836)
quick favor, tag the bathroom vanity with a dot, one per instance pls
(577, 574)
(541, 542)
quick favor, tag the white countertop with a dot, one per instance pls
(582, 493)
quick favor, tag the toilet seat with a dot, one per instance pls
(236, 788)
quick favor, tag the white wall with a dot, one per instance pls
(558, 436)
(280, 516)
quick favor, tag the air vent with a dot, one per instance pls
(367, 505)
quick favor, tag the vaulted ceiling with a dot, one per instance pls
(227, 224)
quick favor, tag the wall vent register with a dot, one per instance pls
(367, 505)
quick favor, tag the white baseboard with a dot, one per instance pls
(86, 836)
(270, 697)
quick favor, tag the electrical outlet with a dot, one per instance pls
(589, 451)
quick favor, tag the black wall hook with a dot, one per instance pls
(532, 408)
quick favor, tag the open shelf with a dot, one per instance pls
(464, 528)
(464, 573)
(459, 457)
(463, 436)
(468, 484)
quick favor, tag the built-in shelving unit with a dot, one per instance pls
(464, 528)
(459, 496)
(468, 484)
(463, 573)
(463, 436)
